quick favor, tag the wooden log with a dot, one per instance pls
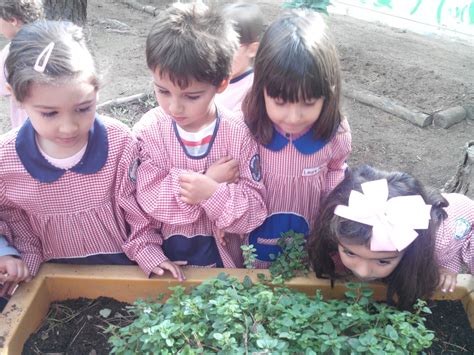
(387, 105)
(121, 100)
(137, 6)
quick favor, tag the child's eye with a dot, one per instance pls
(310, 102)
(84, 109)
(49, 114)
(163, 92)
(192, 97)
(383, 262)
(279, 101)
(348, 252)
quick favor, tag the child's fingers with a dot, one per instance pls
(12, 288)
(452, 280)
(222, 160)
(158, 270)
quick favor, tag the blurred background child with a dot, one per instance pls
(67, 176)
(13, 15)
(387, 226)
(189, 52)
(293, 111)
(247, 20)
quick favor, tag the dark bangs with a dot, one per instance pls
(293, 74)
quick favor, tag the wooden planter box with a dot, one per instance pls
(55, 282)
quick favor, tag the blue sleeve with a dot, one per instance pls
(5, 249)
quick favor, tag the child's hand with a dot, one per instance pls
(173, 267)
(13, 269)
(219, 234)
(12, 272)
(225, 170)
(196, 187)
(447, 280)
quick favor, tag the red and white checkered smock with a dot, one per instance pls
(297, 175)
(77, 214)
(454, 237)
(234, 208)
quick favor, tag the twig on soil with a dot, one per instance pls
(121, 100)
(76, 335)
(387, 105)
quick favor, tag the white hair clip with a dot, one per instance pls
(393, 220)
(44, 56)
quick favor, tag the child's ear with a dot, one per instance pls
(252, 49)
(223, 85)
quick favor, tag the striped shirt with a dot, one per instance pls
(297, 175)
(454, 237)
(188, 230)
(196, 143)
(87, 210)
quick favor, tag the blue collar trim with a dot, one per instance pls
(241, 76)
(306, 144)
(40, 169)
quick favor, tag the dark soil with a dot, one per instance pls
(76, 327)
(453, 332)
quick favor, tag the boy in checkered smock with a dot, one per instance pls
(387, 226)
(13, 15)
(193, 150)
(67, 176)
(293, 111)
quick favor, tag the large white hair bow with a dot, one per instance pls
(393, 220)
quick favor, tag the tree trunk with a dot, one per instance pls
(68, 10)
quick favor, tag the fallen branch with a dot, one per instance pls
(461, 181)
(121, 100)
(387, 105)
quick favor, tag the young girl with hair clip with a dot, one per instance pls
(385, 225)
(293, 110)
(67, 176)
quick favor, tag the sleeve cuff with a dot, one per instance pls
(149, 258)
(213, 205)
(33, 262)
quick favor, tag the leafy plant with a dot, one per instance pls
(248, 253)
(316, 5)
(292, 258)
(223, 315)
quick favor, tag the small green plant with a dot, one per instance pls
(292, 258)
(248, 253)
(316, 5)
(226, 316)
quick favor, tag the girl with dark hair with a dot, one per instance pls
(294, 113)
(387, 226)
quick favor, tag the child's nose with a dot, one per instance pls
(68, 126)
(175, 107)
(294, 114)
(363, 270)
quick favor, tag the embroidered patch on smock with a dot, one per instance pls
(132, 170)
(462, 227)
(255, 168)
(311, 171)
